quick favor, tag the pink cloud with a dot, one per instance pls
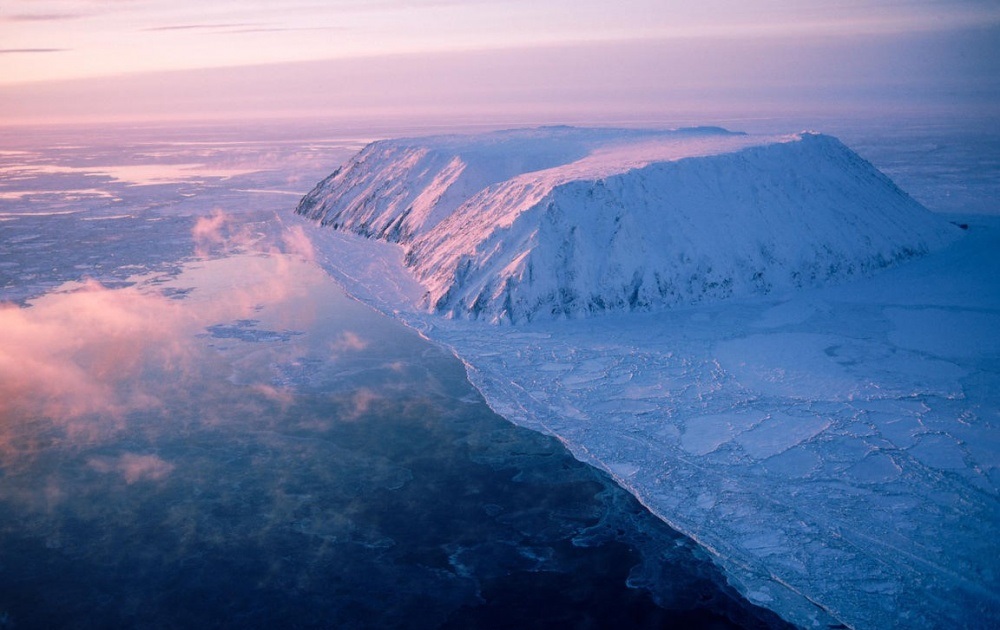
(84, 357)
(134, 467)
(297, 242)
(222, 233)
(282, 396)
(209, 229)
(363, 399)
(66, 354)
(361, 402)
(348, 342)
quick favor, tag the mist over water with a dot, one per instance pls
(197, 428)
(299, 461)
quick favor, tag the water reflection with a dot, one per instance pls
(239, 444)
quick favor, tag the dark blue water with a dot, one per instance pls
(309, 465)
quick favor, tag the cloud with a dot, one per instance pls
(208, 230)
(42, 17)
(219, 234)
(195, 27)
(298, 243)
(348, 342)
(134, 467)
(85, 358)
(390, 6)
(18, 51)
(238, 28)
(283, 396)
(65, 356)
(283, 29)
(85, 363)
(360, 403)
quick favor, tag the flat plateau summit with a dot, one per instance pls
(561, 221)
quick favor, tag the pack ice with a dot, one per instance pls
(829, 434)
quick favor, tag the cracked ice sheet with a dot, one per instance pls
(808, 366)
(838, 451)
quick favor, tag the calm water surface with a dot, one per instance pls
(239, 445)
(210, 434)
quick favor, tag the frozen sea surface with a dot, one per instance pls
(837, 450)
(108, 204)
(199, 429)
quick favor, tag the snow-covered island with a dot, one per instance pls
(723, 323)
(564, 221)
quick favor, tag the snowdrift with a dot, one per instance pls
(526, 224)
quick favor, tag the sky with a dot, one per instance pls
(107, 59)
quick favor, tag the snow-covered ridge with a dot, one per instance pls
(562, 221)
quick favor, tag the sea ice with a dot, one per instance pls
(834, 448)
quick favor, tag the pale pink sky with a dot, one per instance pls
(108, 59)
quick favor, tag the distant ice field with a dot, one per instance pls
(106, 204)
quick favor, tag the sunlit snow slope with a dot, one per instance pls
(523, 224)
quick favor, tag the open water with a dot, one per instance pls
(198, 429)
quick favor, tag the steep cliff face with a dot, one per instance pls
(567, 222)
(395, 189)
